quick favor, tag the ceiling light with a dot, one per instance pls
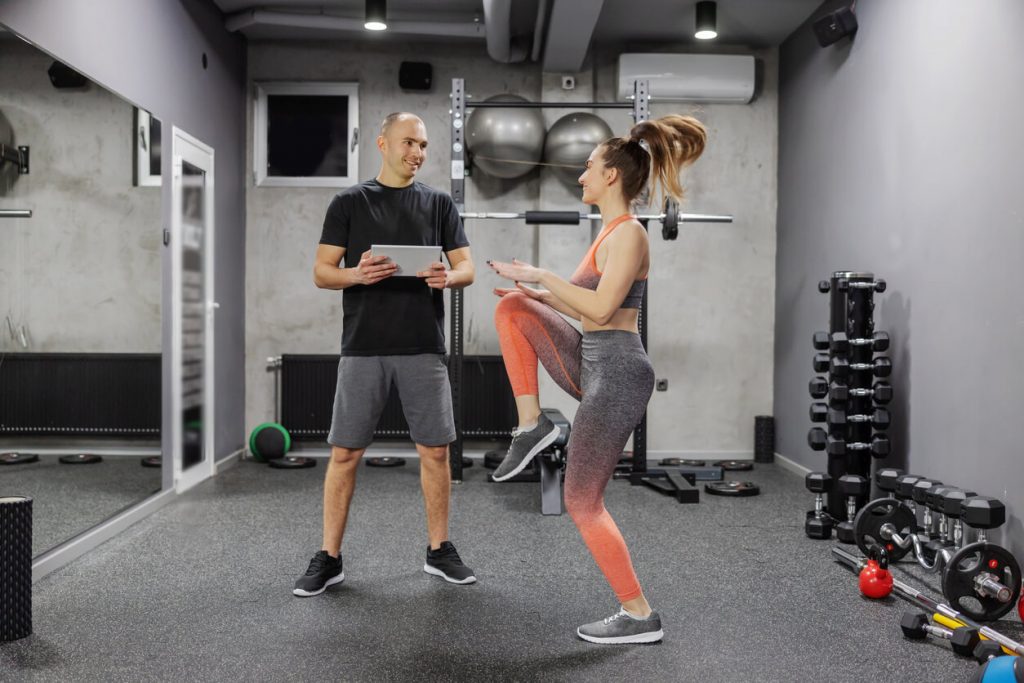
(706, 11)
(376, 15)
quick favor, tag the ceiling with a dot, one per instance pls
(567, 27)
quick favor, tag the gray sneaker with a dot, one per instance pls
(622, 628)
(524, 448)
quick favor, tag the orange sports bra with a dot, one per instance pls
(587, 275)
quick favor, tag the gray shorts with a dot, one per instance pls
(363, 386)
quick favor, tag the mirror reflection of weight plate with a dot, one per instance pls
(80, 459)
(18, 458)
(737, 489)
(152, 461)
(734, 465)
(385, 461)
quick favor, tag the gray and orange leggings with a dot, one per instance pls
(609, 373)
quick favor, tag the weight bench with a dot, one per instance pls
(548, 465)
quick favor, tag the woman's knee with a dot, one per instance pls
(582, 508)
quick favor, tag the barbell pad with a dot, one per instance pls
(553, 217)
(954, 624)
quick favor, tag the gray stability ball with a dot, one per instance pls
(571, 140)
(515, 135)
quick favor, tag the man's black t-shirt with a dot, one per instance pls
(398, 315)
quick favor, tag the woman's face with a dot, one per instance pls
(595, 178)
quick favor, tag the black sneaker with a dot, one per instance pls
(525, 446)
(323, 571)
(446, 563)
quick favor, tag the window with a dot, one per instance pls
(307, 134)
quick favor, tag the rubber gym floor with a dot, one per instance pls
(201, 590)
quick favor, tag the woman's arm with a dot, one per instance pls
(626, 249)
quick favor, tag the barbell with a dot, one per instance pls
(669, 218)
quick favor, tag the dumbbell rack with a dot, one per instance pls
(851, 361)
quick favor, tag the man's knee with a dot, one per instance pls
(433, 454)
(346, 457)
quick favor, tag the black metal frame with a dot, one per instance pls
(639, 473)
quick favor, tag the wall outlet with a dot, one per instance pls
(568, 82)
(661, 385)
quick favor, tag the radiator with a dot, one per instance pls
(80, 394)
(307, 399)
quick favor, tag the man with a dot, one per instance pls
(393, 333)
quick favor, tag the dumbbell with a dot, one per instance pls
(951, 505)
(818, 387)
(818, 523)
(837, 418)
(840, 343)
(819, 440)
(820, 341)
(878, 285)
(982, 513)
(986, 650)
(853, 486)
(840, 367)
(964, 639)
(920, 489)
(886, 479)
(933, 499)
(838, 393)
(905, 491)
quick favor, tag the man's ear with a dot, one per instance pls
(380, 142)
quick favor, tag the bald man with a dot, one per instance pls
(392, 334)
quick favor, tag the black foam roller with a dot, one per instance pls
(15, 567)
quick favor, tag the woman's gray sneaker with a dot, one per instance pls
(622, 628)
(323, 571)
(524, 448)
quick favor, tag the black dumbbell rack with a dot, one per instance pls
(848, 357)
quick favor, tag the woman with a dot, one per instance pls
(606, 367)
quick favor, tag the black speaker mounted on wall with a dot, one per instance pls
(835, 25)
(415, 75)
(63, 76)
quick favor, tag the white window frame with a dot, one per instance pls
(263, 89)
(143, 145)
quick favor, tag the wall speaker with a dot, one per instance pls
(415, 75)
(63, 76)
(831, 27)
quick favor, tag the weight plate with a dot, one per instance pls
(386, 461)
(734, 465)
(681, 462)
(493, 458)
(960, 580)
(152, 461)
(80, 459)
(292, 462)
(740, 489)
(867, 526)
(18, 458)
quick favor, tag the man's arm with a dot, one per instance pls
(327, 274)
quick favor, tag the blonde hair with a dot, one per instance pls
(673, 142)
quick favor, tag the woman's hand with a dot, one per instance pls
(516, 271)
(541, 295)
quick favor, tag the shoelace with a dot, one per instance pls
(447, 553)
(617, 615)
(317, 563)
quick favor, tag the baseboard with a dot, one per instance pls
(228, 461)
(700, 455)
(71, 550)
(791, 465)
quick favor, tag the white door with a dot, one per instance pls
(192, 310)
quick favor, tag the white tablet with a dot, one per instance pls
(409, 259)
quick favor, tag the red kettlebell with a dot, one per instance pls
(875, 579)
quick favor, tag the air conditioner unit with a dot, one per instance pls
(689, 78)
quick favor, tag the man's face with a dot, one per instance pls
(404, 147)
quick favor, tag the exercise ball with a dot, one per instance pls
(571, 140)
(515, 136)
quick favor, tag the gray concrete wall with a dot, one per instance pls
(151, 53)
(83, 274)
(899, 154)
(711, 291)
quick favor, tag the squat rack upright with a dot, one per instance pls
(661, 480)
